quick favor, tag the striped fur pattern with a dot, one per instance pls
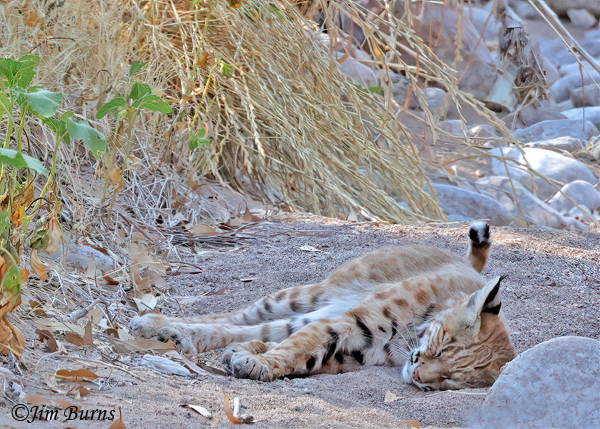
(415, 306)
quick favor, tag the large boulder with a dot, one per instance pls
(579, 191)
(591, 114)
(555, 384)
(558, 128)
(551, 164)
(561, 89)
(359, 73)
(469, 204)
(562, 6)
(522, 203)
(588, 95)
(569, 144)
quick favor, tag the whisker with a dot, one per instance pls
(413, 343)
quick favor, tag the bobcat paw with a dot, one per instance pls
(254, 347)
(247, 365)
(479, 233)
(181, 338)
(148, 325)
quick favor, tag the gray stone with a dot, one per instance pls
(570, 144)
(581, 18)
(526, 11)
(566, 69)
(561, 6)
(546, 162)
(555, 384)
(359, 73)
(400, 89)
(591, 114)
(482, 131)
(79, 256)
(522, 203)
(435, 98)
(579, 191)
(453, 126)
(471, 205)
(588, 95)
(550, 71)
(561, 89)
(556, 51)
(479, 17)
(546, 130)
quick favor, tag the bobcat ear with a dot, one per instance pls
(487, 299)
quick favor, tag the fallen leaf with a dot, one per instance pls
(390, 397)
(110, 280)
(142, 257)
(147, 302)
(200, 410)
(55, 326)
(54, 236)
(81, 374)
(204, 230)
(307, 248)
(36, 308)
(38, 267)
(43, 334)
(83, 391)
(412, 424)
(192, 366)
(75, 339)
(142, 345)
(118, 424)
(233, 419)
(65, 404)
(87, 336)
(51, 345)
(24, 274)
(37, 400)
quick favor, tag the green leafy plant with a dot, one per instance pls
(20, 101)
(125, 109)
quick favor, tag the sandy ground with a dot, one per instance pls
(552, 290)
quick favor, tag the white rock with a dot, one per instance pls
(546, 130)
(566, 69)
(551, 71)
(479, 17)
(79, 256)
(526, 11)
(588, 95)
(561, 89)
(482, 131)
(471, 205)
(556, 51)
(570, 144)
(533, 209)
(591, 114)
(546, 162)
(561, 6)
(435, 98)
(164, 365)
(359, 73)
(555, 384)
(581, 18)
(581, 192)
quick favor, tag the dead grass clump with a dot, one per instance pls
(283, 123)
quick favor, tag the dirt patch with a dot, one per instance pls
(552, 290)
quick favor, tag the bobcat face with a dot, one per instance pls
(464, 346)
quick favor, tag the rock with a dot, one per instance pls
(471, 205)
(164, 365)
(454, 127)
(556, 51)
(546, 130)
(436, 101)
(400, 88)
(562, 6)
(561, 89)
(482, 131)
(540, 111)
(78, 256)
(583, 193)
(591, 114)
(428, 20)
(581, 18)
(359, 73)
(546, 162)
(588, 95)
(526, 11)
(550, 71)
(569, 144)
(595, 151)
(479, 17)
(555, 384)
(534, 209)
(566, 69)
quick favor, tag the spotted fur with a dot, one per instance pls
(414, 306)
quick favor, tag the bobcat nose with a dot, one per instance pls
(416, 376)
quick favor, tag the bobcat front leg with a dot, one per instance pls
(322, 346)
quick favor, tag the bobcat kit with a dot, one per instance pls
(415, 306)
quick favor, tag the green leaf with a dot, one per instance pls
(4, 107)
(196, 142)
(139, 91)
(226, 70)
(135, 67)
(12, 281)
(113, 106)
(4, 223)
(18, 160)
(154, 103)
(19, 72)
(59, 128)
(43, 102)
(92, 139)
(376, 90)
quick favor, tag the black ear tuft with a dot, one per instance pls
(473, 235)
(492, 302)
